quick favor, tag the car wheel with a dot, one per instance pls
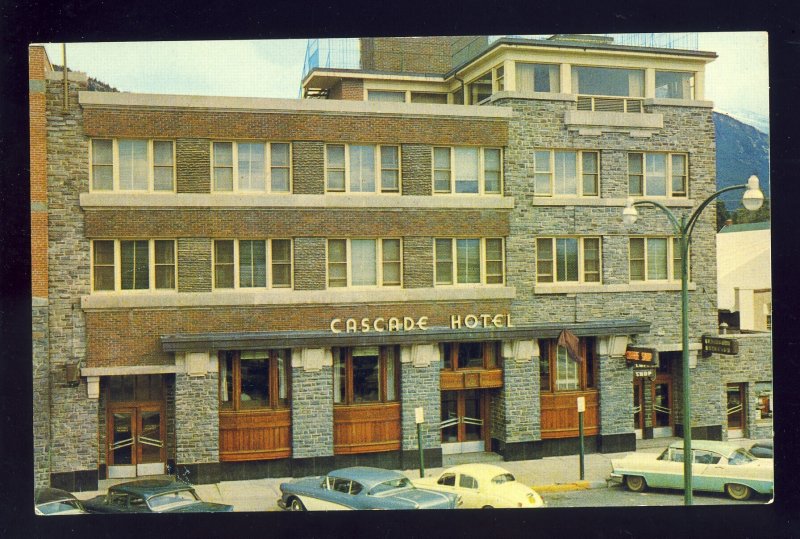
(487, 507)
(738, 492)
(635, 483)
(296, 505)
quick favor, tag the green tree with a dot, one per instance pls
(742, 215)
(722, 214)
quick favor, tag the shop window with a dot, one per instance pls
(566, 172)
(470, 355)
(365, 374)
(658, 174)
(469, 261)
(563, 260)
(254, 380)
(133, 265)
(606, 81)
(559, 372)
(469, 170)
(132, 165)
(251, 167)
(675, 84)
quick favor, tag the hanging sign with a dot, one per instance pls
(719, 345)
(634, 354)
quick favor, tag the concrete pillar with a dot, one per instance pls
(566, 78)
(649, 82)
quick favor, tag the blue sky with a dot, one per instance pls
(737, 81)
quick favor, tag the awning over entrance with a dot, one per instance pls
(189, 342)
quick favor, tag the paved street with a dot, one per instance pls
(617, 496)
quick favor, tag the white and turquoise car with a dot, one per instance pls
(717, 467)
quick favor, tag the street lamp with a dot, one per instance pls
(752, 199)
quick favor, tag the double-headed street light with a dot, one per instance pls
(752, 200)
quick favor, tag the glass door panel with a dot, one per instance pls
(122, 443)
(638, 417)
(662, 409)
(472, 418)
(450, 420)
(150, 438)
(735, 410)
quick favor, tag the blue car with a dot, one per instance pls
(361, 487)
(153, 496)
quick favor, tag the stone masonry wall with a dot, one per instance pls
(73, 416)
(615, 381)
(519, 400)
(416, 169)
(419, 386)
(417, 262)
(308, 168)
(197, 418)
(312, 413)
(310, 270)
(194, 264)
(41, 394)
(193, 165)
(753, 367)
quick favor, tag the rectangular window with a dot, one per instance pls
(574, 260)
(469, 355)
(365, 374)
(655, 259)
(244, 263)
(364, 262)
(133, 265)
(566, 371)
(480, 88)
(544, 366)
(387, 96)
(132, 165)
(607, 81)
(467, 170)
(253, 379)
(538, 77)
(566, 172)
(429, 97)
(354, 168)
(258, 167)
(500, 78)
(559, 372)
(469, 261)
(657, 174)
(675, 84)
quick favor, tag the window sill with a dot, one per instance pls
(609, 288)
(672, 102)
(604, 202)
(594, 123)
(539, 96)
(294, 297)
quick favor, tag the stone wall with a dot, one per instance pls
(41, 394)
(519, 400)
(194, 264)
(193, 165)
(197, 418)
(310, 270)
(419, 386)
(752, 367)
(615, 381)
(417, 262)
(312, 412)
(416, 167)
(308, 168)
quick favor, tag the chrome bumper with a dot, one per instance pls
(615, 478)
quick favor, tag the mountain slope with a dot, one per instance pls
(742, 150)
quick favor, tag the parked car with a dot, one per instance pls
(152, 496)
(54, 501)
(361, 487)
(483, 486)
(717, 467)
(762, 450)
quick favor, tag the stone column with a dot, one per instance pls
(419, 386)
(518, 402)
(312, 410)
(615, 380)
(197, 417)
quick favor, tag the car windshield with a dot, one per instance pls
(171, 500)
(60, 507)
(740, 456)
(390, 486)
(503, 478)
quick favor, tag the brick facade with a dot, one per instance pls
(407, 54)
(348, 90)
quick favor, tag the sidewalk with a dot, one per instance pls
(549, 474)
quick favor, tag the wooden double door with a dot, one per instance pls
(464, 421)
(662, 405)
(136, 440)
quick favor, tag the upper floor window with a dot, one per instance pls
(254, 379)
(429, 97)
(132, 165)
(480, 89)
(133, 265)
(566, 172)
(675, 84)
(559, 372)
(467, 170)
(470, 355)
(244, 263)
(655, 259)
(362, 168)
(251, 166)
(365, 374)
(568, 260)
(469, 261)
(384, 95)
(364, 262)
(538, 77)
(658, 174)
(607, 81)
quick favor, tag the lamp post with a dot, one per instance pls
(752, 199)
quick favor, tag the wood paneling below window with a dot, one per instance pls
(560, 414)
(255, 435)
(366, 428)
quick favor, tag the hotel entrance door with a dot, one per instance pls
(463, 420)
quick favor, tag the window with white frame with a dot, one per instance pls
(675, 84)
(469, 261)
(658, 174)
(566, 172)
(562, 260)
(133, 265)
(655, 259)
(393, 96)
(132, 165)
(243, 264)
(538, 77)
(251, 167)
(364, 262)
(464, 169)
(362, 168)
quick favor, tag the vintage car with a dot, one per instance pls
(482, 486)
(54, 501)
(717, 467)
(360, 487)
(762, 450)
(152, 496)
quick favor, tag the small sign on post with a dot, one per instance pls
(419, 419)
(419, 416)
(581, 410)
(581, 404)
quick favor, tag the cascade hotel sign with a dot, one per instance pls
(408, 323)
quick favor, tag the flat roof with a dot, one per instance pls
(745, 227)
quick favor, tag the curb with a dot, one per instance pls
(566, 487)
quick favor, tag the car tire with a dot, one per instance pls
(296, 505)
(635, 483)
(738, 492)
